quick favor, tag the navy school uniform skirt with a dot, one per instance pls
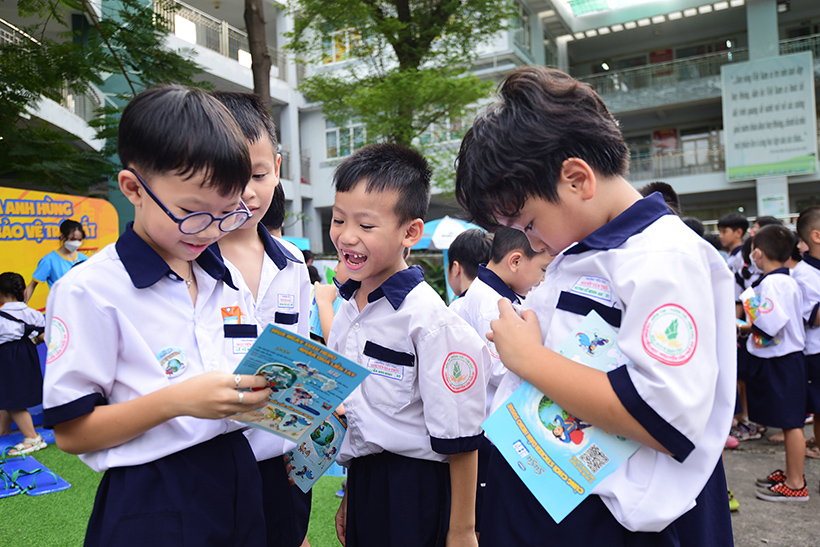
(397, 501)
(208, 494)
(813, 386)
(287, 509)
(22, 384)
(512, 516)
(777, 391)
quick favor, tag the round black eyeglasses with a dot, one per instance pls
(197, 222)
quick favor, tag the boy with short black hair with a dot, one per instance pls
(138, 374)
(469, 249)
(512, 270)
(731, 229)
(807, 275)
(777, 388)
(423, 403)
(549, 159)
(278, 284)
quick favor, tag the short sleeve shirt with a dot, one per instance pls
(807, 275)
(776, 312)
(425, 396)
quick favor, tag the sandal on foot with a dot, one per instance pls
(813, 453)
(29, 445)
(811, 443)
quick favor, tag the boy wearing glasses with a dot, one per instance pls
(137, 381)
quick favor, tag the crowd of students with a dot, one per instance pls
(144, 335)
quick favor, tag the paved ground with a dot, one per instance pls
(765, 523)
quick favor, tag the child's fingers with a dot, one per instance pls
(247, 381)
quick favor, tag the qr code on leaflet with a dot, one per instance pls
(594, 458)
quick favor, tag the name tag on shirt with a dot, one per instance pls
(287, 301)
(593, 287)
(388, 370)
(242, 345)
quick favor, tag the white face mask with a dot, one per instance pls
(72, 246)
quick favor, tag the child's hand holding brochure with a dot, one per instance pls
(559, 457)
(308, 382)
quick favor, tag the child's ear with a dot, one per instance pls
(578, 177)
(455, 269)
(514, 260)
(413, 232)
(130, 187)
(277, 167)
(815, 237)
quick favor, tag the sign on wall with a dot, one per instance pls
(30, 228)
(769, 117)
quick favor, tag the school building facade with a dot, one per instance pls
(656, 64)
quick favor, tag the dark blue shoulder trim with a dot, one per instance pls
(70, 411)
(455, 446)
(661, 430)
(491, 279)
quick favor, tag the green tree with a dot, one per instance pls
(411, 60)
(124, 50)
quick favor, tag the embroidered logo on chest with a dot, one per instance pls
(57, 340)
(287, 301)
(173, 361)
(670, 335)
(593, 287)
(459, 372)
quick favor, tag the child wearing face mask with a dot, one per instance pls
(55, 264)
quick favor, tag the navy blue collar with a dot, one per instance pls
(811, 261)
(395, 288)
(497, 284)
(145, 267)
(633, 221)
(736, 250)
(783, 270)
(274, 249)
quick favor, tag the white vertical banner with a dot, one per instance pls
(769, 117)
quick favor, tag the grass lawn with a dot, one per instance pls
(59, 519)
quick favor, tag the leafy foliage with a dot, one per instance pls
(126, 44)
(411, 60)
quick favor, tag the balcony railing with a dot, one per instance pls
(677, 164)
(682, 70)
(84, 105)
(198, 27)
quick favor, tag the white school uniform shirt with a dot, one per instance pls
(425, 396)
(643, 272)
(283, 298)
(479, 307)
(778, 327)
(123, 326)
(807, 275)
(735, 259)
(12, 330)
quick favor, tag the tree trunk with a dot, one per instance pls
(260, 58)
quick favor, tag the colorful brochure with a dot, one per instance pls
(559, 457)
(317, 451)
(308, 381)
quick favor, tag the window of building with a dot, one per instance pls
(522, 33)
(640, 153)
(342, 141)
(340, 45)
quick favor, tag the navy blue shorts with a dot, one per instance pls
(485, 448)
(777, 392)
(287, 509)
(512, 516)
(397, 501)
(813, 375)
(743, 365)
(208, 494)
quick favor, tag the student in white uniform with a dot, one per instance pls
(777, 389)
(423, 403)
(549, 159)
(807, 275)
(138, 378)
(280, 289)
(21, 328)
(510, 272)
(469, 249)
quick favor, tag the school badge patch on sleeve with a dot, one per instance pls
(459, 372)
(58, 339)
(670, 335)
